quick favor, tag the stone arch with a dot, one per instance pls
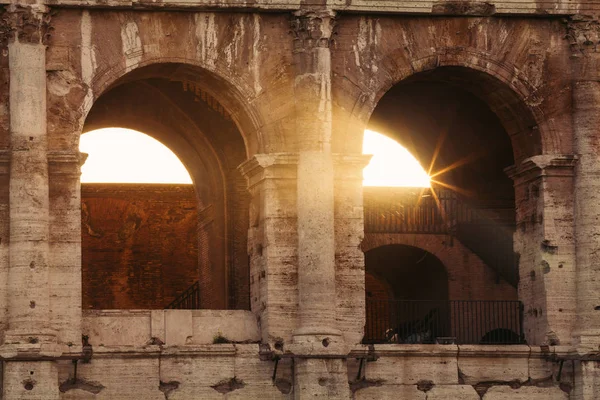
(469, 277)
(233, 94)
(524, 111)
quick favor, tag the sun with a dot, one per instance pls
(117, 155)
(392, 164)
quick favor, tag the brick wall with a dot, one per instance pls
(139, 244)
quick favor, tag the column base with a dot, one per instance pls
(321, 379)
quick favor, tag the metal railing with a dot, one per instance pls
(414, 210)
(450, 321)
(188, 300)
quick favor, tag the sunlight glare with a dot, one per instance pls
(118, 155)
(392, 164)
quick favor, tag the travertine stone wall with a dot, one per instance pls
(299, 84)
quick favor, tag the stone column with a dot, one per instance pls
(272, 243)
(316, 248)
(318, 349)
(544, 243)
(30, 334)
(29, 299)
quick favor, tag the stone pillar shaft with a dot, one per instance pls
(28, 277)
(65, 244)
(316, 247)
(586, 102)
(272, 243)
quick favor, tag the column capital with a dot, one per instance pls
(583, 34)
(312, 29)
(551, 165)
(25, 24)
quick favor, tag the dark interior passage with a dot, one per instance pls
(410, 272)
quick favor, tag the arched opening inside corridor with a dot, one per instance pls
(465, 128)
(406, 295)
(180, 106)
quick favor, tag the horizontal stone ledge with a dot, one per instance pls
(40, 352)
(461, 351)
(364, 6)
(156, 351)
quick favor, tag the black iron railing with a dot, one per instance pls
(414, 210)
(453, 321)
(188, 300)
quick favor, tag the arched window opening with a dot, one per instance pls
(184, 108)
(139, 222)
(460, 127)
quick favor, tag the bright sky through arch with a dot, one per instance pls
(118, 155)
(392, 164)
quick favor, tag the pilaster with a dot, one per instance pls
(349, 233)
(272, 244)
(586, 118)
(544, 242)
(64, 169)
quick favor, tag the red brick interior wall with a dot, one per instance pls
(139, 244)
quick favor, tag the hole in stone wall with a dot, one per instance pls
(28, 386)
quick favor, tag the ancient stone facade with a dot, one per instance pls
(266, 103)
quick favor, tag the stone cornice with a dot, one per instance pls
(529, 7)
(254, 169)
(543, 166)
